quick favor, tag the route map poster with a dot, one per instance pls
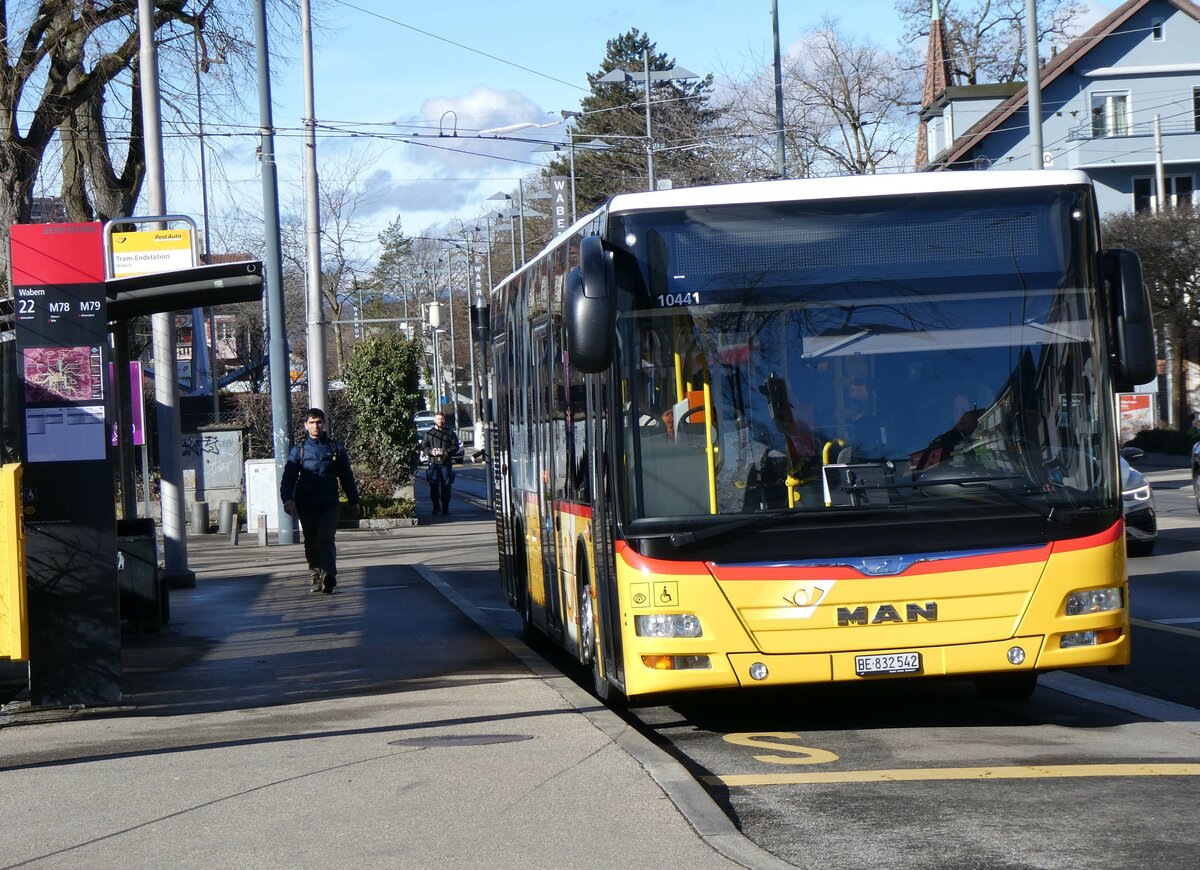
(61, 326)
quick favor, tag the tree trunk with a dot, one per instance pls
(1179, 393)
(17, 174)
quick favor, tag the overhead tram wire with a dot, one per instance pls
(477, 51)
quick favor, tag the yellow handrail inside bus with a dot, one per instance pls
(710, 448)
(679, 394)
(825, 451)
(829, 445)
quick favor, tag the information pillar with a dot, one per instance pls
(70, 519)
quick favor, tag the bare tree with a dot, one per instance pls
(986, 38)
(749, 148)
(853, 96)
(69, 90)
(345, 242)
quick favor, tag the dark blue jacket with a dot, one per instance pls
(312, 472)
(444, 440)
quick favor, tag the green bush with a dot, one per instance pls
(388, 508)
(1177, 442)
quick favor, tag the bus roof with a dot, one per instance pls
(844, 187)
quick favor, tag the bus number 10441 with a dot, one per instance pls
(670, 300)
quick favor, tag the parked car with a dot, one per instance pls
(1196, 474)
(1137, 503)
(423, 420)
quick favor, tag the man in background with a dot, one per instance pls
(440, 445)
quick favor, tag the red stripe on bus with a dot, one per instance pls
(578, 510)
(844, 572)
(638, 562)
(1111, 535)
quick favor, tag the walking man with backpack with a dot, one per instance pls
(309, 490)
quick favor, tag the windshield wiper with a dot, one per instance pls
(766, 521)
(1049, 512)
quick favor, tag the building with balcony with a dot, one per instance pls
(1101, 96)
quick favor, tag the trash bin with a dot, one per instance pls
(144, 599)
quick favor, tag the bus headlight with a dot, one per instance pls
(663, 625)
(1094, 601)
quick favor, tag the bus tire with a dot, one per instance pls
(1007, 687)
(589, 642)
(529, 632)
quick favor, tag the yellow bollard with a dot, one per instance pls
(14, 616)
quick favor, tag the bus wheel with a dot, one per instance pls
(1007, 687)
(589, 643)
(587, 623)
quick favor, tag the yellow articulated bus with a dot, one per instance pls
(821, 430)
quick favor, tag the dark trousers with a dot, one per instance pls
(440, 478)
(319, 528)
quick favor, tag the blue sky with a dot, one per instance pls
(388, 69)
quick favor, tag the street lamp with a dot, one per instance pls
(620, 76)
(505, 222)
(521, 211)
(435, 324)
(483, 419)
(453, 348)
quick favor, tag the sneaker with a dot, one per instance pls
(317, 580)
(327, 586)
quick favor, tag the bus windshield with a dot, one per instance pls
(803, 359)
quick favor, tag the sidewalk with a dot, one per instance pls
(378, 727)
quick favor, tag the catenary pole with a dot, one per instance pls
(277, 356)
(214, 378)
(1034, 86)
(315, 334)
(780, 159)
(649, 140)
(162, 325)
(1160, 175)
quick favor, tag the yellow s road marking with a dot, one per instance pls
(799, 754)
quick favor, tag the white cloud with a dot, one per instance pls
(459, 120)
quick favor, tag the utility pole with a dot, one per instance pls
(281, 422)
(162, 325)
(315, 335)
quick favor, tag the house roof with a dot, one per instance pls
(1051, 71)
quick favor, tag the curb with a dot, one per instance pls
(691, 799)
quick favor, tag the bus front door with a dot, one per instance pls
(544, 461)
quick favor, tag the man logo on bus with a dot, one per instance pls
(887, 613)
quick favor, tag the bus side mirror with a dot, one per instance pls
(590, 310)
(1136, 357)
